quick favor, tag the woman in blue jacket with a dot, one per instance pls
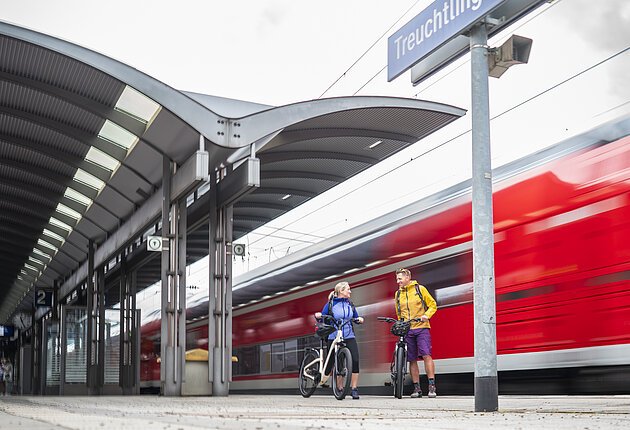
(343, 309)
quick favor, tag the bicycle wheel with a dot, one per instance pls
(309, 375)
(399, 379)
(342, 373)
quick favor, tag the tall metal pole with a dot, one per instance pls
(486, 383)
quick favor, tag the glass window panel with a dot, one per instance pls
(89, 180)
(76, 346)
(33, 268)
(54, 221)
(98, 157)
(290, 355)
(277, 357)
(42, 254)
(117, 135)
(265, 358)
(248, 361)
(112, 346)
(37, 260)
(77, 197)
(53, 354)
(137, 105)
(47, 245)
(49, 233)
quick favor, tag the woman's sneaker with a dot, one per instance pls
(355, 393)
(432, 393)
(417, 391)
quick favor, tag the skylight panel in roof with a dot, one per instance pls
(89, 180)
(53, 235)
(33, 268)
(37, 260)
(137, 105)
(54, 221)
(42, 254)
(61, 208)
(48, 245)
(118, 135)
(101, 159)
(77, 197)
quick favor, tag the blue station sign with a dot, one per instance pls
(432, 28)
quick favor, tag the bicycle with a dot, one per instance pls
(398, 367)
(313, 364)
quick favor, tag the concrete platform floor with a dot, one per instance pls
(318, 412)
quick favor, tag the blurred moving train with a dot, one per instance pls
(562, 270)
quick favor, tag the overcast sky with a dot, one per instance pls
(282, 51)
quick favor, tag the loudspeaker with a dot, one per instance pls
(514, 51)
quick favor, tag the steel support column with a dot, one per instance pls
(173, 335)
(486, 382)
(220, 366)
(226, 190)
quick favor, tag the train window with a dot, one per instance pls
(265, 358)
(449, 280)
(290, 355)
(248, 361)
(277, 357)
(306, 342)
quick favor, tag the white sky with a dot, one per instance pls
(282, 51)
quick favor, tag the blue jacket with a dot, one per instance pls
(342, 310)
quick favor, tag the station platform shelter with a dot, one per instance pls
(111, 181)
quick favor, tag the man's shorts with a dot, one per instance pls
(418, 343)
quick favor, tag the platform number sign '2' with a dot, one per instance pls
(43, 298)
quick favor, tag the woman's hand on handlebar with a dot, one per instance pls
(318, 315)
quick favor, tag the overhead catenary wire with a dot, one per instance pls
(368, 50)
(442, 144)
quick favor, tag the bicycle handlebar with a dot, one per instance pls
(338, 322)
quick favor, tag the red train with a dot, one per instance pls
(562, 266)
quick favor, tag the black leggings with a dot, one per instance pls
(354, 350)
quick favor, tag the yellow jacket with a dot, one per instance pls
(409, 305)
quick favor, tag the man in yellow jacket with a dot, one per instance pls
(414, 301)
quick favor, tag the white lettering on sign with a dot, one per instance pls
(450, 11)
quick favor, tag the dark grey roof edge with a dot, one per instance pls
(258, 125)
(363, 102)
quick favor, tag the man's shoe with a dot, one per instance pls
(417, 391)
(432, 393)
(355, 393)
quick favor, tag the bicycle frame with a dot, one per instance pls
(334, 347)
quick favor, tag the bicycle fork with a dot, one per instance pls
(394, 363)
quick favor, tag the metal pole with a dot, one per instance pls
(486, 383)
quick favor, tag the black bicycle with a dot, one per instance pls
(398, 366)
(313, 364)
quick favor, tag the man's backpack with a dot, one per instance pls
(424, 304)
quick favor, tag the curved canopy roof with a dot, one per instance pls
(83, 138)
